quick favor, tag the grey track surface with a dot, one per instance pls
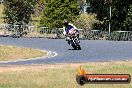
(91, 50)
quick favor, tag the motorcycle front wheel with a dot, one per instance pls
(76, 46)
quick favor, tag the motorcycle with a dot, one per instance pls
(74, 39)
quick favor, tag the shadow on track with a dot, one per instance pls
(73, 49)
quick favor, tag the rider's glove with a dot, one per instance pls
(64, 33)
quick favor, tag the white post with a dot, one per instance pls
(110, 21)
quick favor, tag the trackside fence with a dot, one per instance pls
(57, 33)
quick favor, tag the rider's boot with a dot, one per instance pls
(69, 42)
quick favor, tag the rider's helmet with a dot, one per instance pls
(65, 22)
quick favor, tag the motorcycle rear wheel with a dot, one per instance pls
(79, 47)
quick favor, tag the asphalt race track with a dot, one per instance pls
(92, 50)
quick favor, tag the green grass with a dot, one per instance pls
(60, 76)
(15, 53)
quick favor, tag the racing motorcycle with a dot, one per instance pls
(73, 40)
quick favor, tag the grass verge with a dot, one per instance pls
(14, 53)
(60, 75)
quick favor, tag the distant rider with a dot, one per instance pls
(69, 29)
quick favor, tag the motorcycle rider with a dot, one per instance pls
(68, 29)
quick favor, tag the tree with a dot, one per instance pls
(120, 10)
(18, 11)
(86, 21)
(82, 4)
(57, 10)
(128, 21)
(39, 8)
